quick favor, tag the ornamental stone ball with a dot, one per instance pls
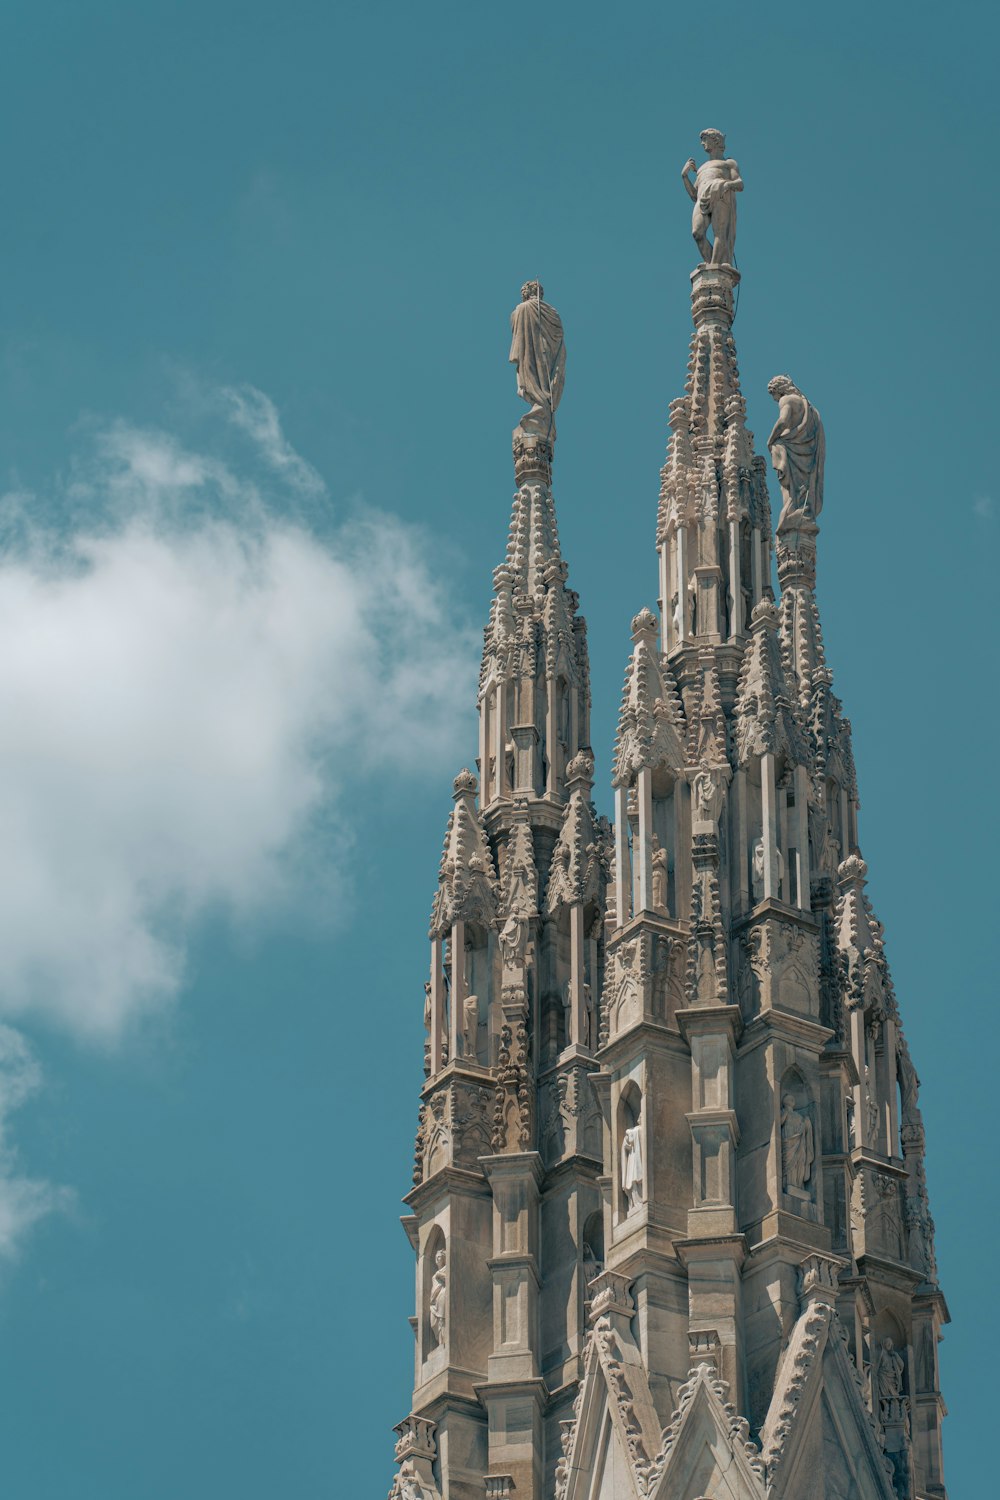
(798, 452)
(539, 351)
(713, 191)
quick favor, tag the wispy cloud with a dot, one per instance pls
(23, 1200)
(193, 683)
(257, 416)
(984, 506)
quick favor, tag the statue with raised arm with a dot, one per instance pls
(713, 193)
(539, 351)
(798, 452)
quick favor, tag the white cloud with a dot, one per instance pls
(191, 683)
(984, 507)
(23, 1200)
(257, 416)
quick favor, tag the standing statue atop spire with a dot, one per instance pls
(798, 452)
(539, 352)
(712, 193)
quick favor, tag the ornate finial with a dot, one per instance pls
(765, 615)
(464, 782)
(851, 869)
(798, 453)
(581, 767)
(713, 191)
(644, 623)
(539, 352)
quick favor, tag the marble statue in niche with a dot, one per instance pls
(797, 1147)
(632, 1178)
(758, 869)
(660, 876)
(713, 193)
(798, 452)
(437, 1304)
(538, 349)
(889, 1373)
(470, 1030)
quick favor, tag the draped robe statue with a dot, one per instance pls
(798, 452)
(797, 1149)
(538, 350)
(437, 1307)
(632, 1167)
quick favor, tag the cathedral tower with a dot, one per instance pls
(669, 1212)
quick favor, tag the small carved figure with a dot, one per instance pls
(591, 1265)
(511, 934)
(758, 868)
(567, 1005)
(872, 1112)
(470, 1031)
(713, 191)
(677, 615)
(437, 1306)
(890, 1371)
(797, 1148)
(589, 1019)
(798, 453)
(660, 876)
(539, 352)
(427, 1005)
(632, 1167)
(407, 1485)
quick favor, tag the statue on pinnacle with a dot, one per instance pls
(713, 191)
(798, 452)
(539, 352)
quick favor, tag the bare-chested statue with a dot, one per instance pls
(798, 452)
(713, 191)
(538, 350)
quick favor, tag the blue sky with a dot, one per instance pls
(255, 416)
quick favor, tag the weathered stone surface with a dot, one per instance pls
(670, 1210)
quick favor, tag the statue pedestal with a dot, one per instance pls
(712, 289)
(532, 457)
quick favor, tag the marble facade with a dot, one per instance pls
(669, 1212)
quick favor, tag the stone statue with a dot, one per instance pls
(539, 352)
(797, 1149)
(427, 1005)
(590, 1030)
(660, 876)
(436, 1306)
(511, 935)
(713, 191)
(591, 1265)
(889, 1373)
(632, 1167)
(758, 868)
(798, 452)
(470, 1031)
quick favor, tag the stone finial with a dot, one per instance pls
(581, 768)
(765, 615)
(464, 782)
(644, 623)
(852, 869)
(713, 193)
